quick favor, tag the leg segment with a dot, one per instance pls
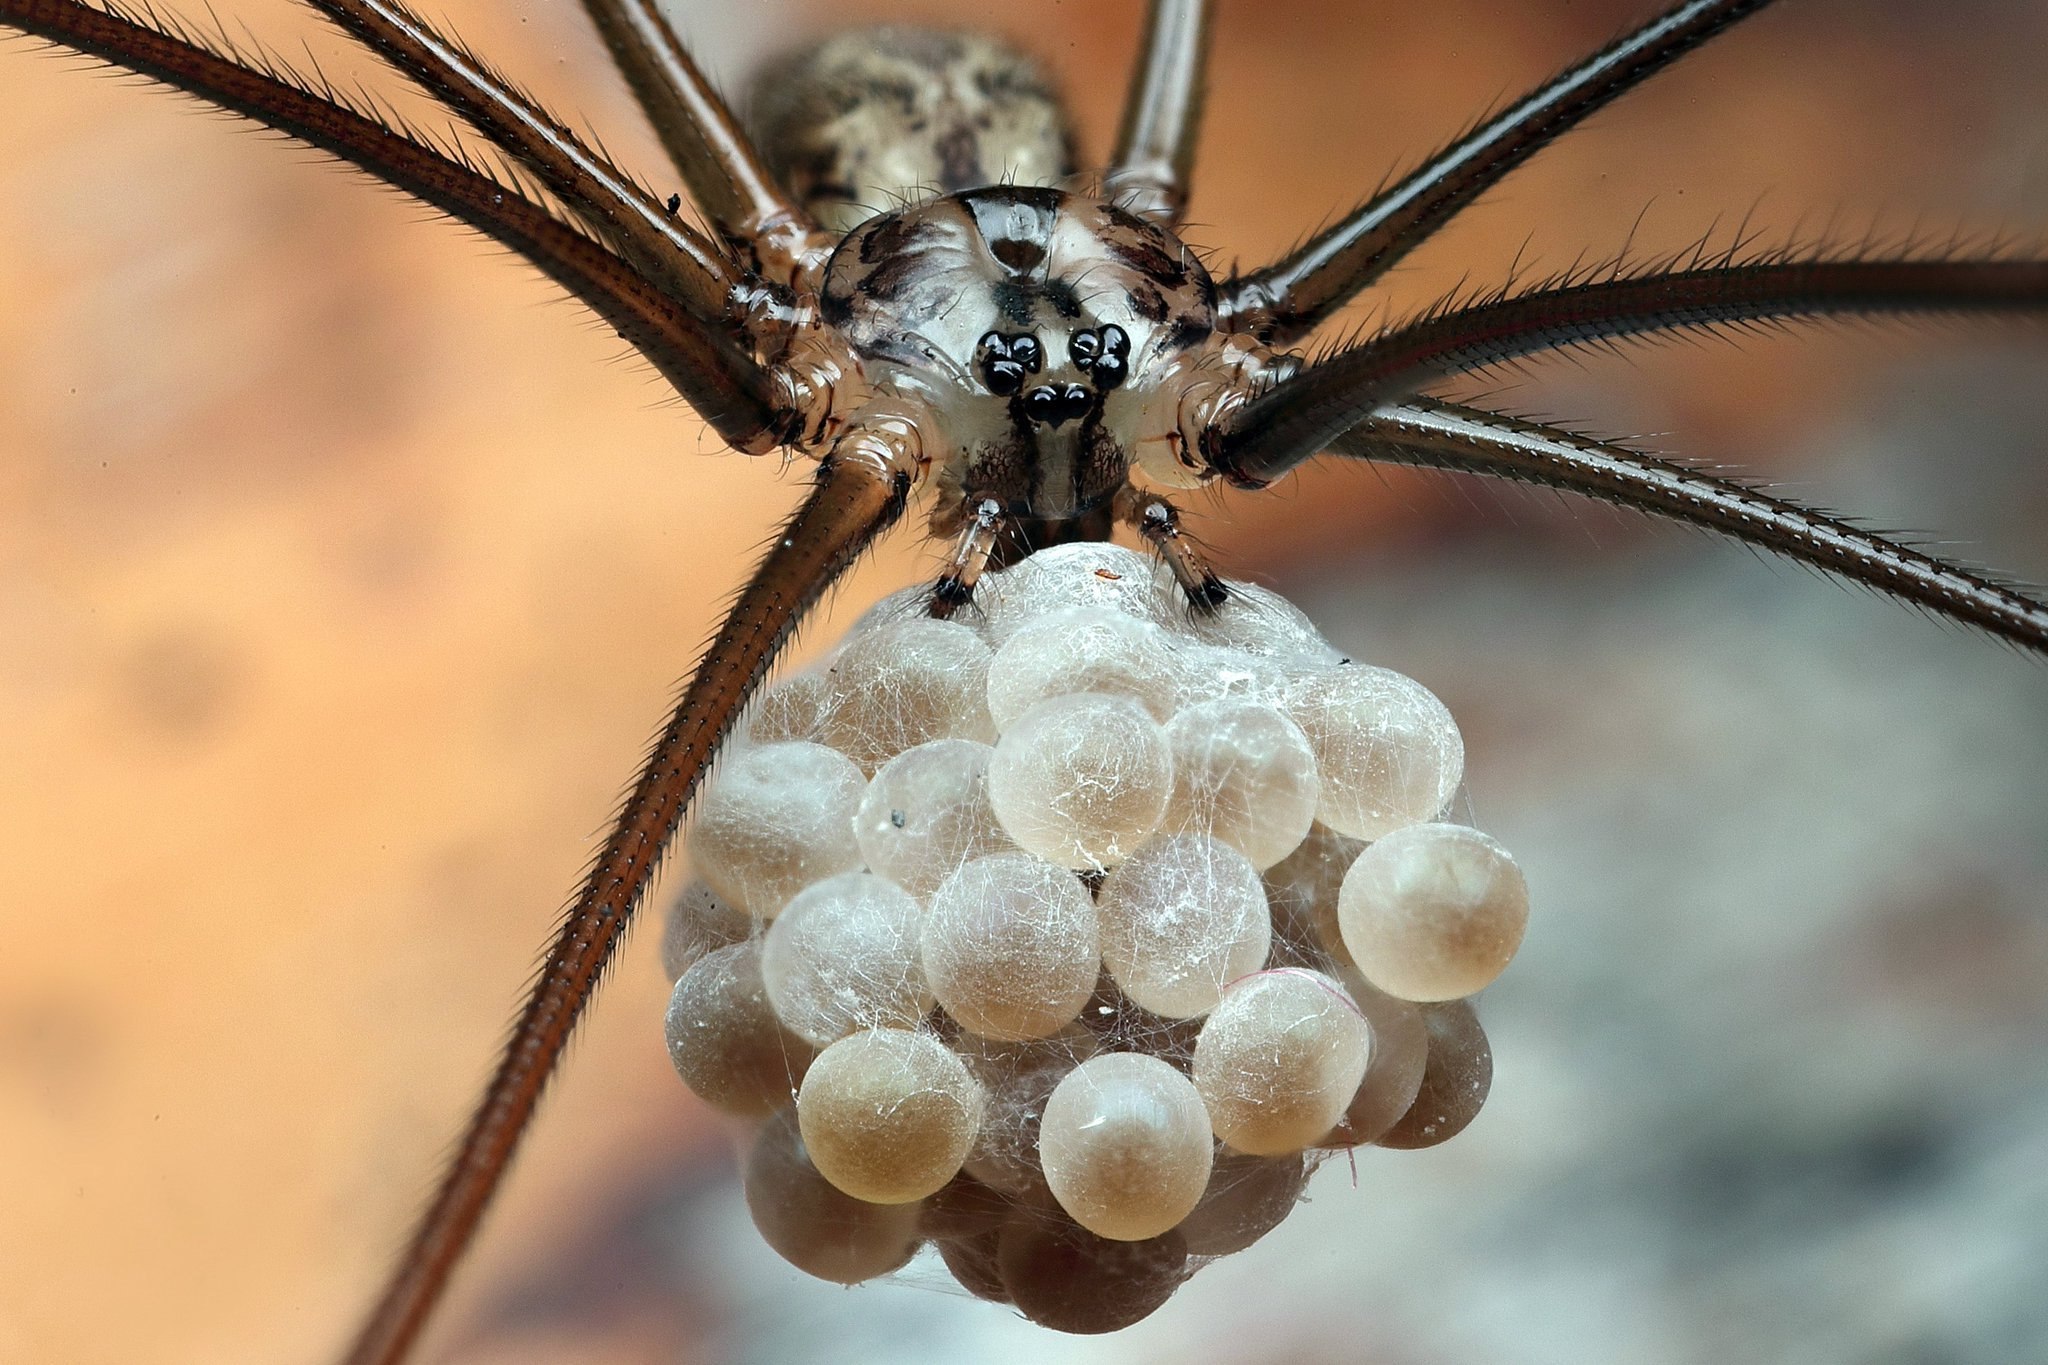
(724, 385)
(857, 496)
(717, 162)
(1155, 147)
(618, 209)
(1284, 301)
(1304, 415)
(1467, 440)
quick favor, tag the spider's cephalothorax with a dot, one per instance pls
(1044, 334)
(1023, 349)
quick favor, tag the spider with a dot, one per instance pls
(1288, 413)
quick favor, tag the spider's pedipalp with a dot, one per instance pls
(620, 210)
(1155, 147)
(725, 386)
(1301, 416)
(1284, 301)
(725, 175)
(1466, 440)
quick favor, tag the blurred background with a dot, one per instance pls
(344, 572)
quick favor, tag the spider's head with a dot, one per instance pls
(1046, 334)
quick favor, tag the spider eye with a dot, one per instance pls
(1006, 361)
(1102, 355)
(1003, 377)
(1053, 404)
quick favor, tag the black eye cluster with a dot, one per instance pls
(1103, 354)
(1007, 360)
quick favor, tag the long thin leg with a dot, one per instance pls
(1307, 413)
(1469, 441)
(1284, 301)
(719, 165)
(624, 213)
(701, 361)
(858, 494)
(1155, 147)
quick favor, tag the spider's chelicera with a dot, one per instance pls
(1042, 353)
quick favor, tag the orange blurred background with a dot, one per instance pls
(344, 572)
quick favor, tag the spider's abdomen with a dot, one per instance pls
(868, 120)
(1035, 325)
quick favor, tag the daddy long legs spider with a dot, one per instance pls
(166, 661)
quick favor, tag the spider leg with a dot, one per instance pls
(1158, 521)
(861, 490)
(1284, 301)
(619, 209)
(1470, 441)
(701, 360)
(1155, 146)
(718, 163)
(1305, 414)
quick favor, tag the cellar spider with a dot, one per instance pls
(185, 660)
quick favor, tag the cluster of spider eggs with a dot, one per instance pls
(1078, 926)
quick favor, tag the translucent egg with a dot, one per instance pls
(1212, 673)
(1068, 1279)
(1278, 1060)
(776, 819)
(927, 813)
(1387, 749)
(1125, 1145)
(1433, 912)
(1302, 889)
(726, 1041)
(1393, 1072)
(793, 709)
(1248, 1196)
(973, 1264)
(815, 1227)
(1087, 573)
(1259, 622)
(1017, 1079)
(698, 921)
(907, 683)
(1010, 946)
(887, 1114)
(1242, 773)
(1083, 649)
(1454, 1084)
(1081, 781)
(912, 603)
(1181, 919)
(965, 1207)
(845, 956)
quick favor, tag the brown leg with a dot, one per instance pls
(1155, 148)
(724, 173)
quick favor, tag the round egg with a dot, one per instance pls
(1433, 912)
(888, 1115)
(1081, 781)
(776, 818)
(1183, 918)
